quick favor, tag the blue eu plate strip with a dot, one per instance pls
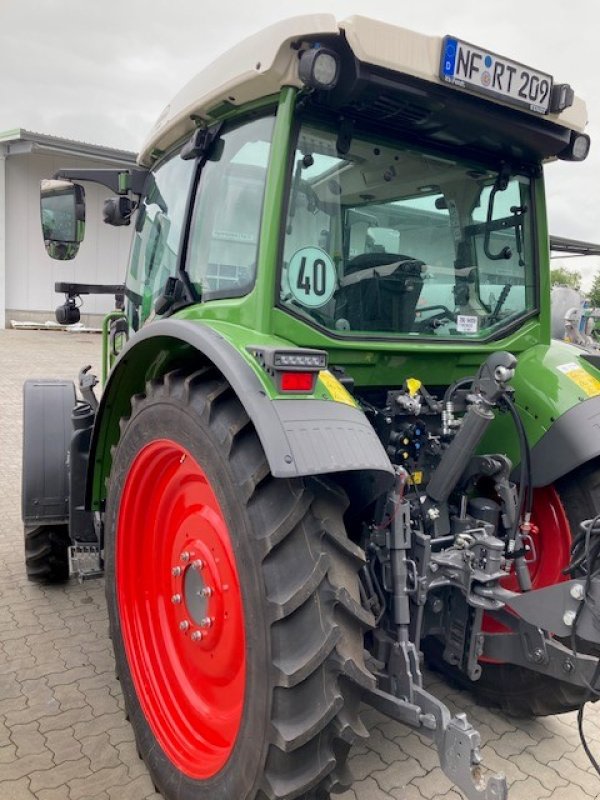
(449, 59)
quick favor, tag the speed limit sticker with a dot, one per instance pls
(311, 276)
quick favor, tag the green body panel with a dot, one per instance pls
(542, 394)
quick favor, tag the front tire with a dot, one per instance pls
(47, 553)
(257, 698)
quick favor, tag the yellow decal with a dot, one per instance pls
(583, 379)
(335, 389)
(416, 478)
(413, 385)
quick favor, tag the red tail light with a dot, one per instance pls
(297, 381)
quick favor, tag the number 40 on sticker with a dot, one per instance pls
(312, 277)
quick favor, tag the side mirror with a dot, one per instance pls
(62, 209)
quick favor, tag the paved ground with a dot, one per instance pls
(63, 735)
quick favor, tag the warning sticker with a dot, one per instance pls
(583, 379)
(338, 392)
(465, 324)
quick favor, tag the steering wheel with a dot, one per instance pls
(315, 313)
(429, 322)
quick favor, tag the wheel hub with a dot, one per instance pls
(197, 593)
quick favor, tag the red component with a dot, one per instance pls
(190, 680)
(551, 534)
(297, 381)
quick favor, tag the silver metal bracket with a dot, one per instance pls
(85, 561)
(456, 740)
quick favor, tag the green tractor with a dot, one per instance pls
(334, 437)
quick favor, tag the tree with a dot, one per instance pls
(561, 276)
(594, 293)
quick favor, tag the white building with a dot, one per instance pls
(27, 273)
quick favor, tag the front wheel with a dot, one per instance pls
(47, 553)
(233, 602)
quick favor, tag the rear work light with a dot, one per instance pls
(577, 149)
(293, 370)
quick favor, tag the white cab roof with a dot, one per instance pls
(260, 65)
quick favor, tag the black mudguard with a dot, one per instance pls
(47, 431)
(300, 437)
(572, 440)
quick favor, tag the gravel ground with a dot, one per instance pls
(63, 735)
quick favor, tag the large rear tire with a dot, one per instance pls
(233, 602)
(518, 691)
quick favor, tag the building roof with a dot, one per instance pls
(560, 244)
(261, 64)
(21, 142)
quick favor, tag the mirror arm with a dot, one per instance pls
(75, 289)
(71, 290)
(118, 181)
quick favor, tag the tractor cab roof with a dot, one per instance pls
(375, 53)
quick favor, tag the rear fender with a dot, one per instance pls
(557, 393)
(299, 437)
(572, 440)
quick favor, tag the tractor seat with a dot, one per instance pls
(380, 292)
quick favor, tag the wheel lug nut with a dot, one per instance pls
(206, 592)
(184, 625)
(197, 564)
(207, 622)
(185, 556)
(176, 599)
(197, 636)
(176, 572)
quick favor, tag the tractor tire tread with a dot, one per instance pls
(47, 553)
(317, 623)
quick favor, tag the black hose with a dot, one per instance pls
(453, 388)
(525, 482)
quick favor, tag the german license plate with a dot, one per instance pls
(483, 72)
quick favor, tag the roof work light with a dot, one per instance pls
(319, 68)
(577, 149)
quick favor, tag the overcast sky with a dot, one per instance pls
(102, 70)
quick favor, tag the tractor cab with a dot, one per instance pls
(372, 183)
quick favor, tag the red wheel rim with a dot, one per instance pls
(552, 541)
(180, 608)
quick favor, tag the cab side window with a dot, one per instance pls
(156, 240)
(225, 228)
